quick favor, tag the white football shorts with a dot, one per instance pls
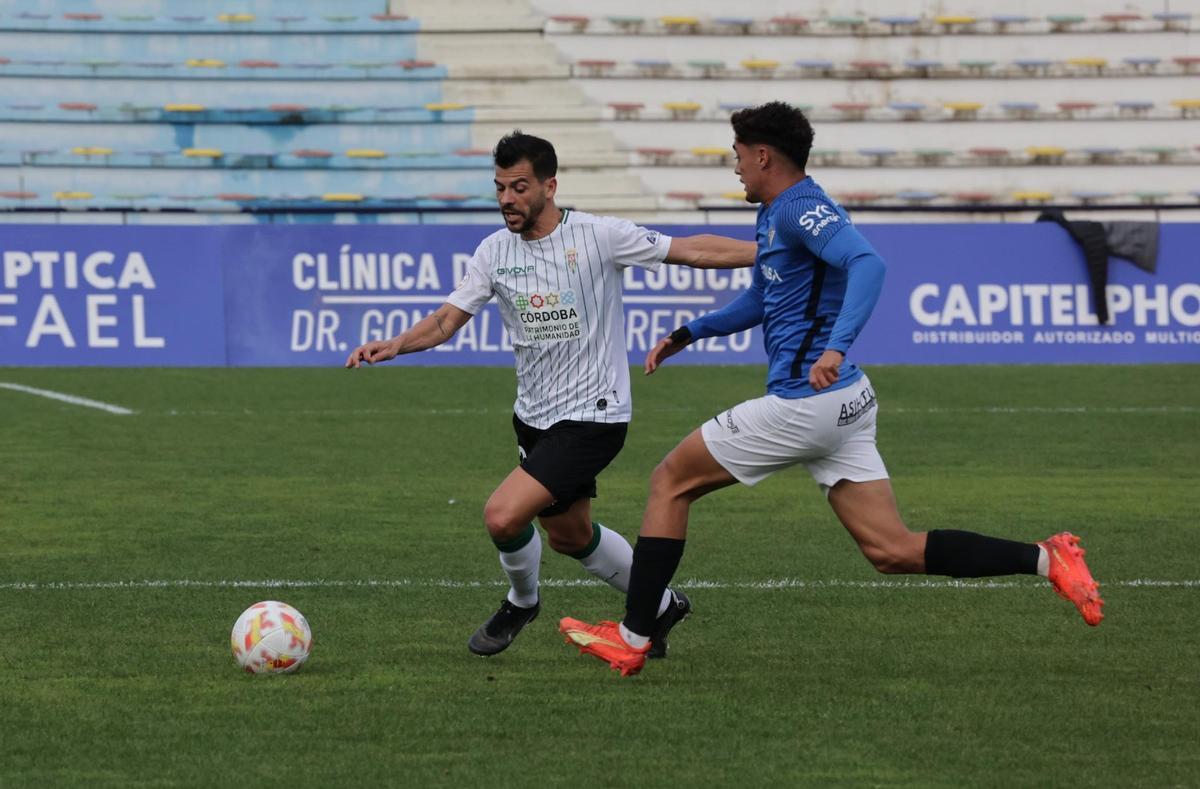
(832, 434)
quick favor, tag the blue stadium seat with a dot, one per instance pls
(908, 110)
(1134, 108)
(1033, 66)
(895, 23)
(1003, 21)
(1173, 20)
(1023, 110)
(1146, 65)
(923, 67)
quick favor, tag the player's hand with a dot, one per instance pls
(371, 353)
(665, 349)
(824, 372)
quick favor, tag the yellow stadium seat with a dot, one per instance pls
(734, 195)
(444, 106)
(712, 151)
(1047, 151)
(950, 20)
(72, 195)
(682, 109)
(1033, 196)
(1187, 107)
(235, 17)
(203, 153)
(964, 110)
(205, 63)
(81, 150)
(342, 197)
(760, 65)
(184, 107)
(366, 153)
(1093, 63)
(680, 24)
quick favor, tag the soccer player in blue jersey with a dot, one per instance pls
(815, 284)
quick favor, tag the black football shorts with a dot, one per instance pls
(567, 456)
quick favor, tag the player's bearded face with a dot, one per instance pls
(521, 196)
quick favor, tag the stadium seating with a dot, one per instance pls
(277, 103)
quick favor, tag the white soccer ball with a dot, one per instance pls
(271, 638)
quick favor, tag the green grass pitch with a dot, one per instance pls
(362, 493)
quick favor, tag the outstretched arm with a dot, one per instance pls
(434, 329)
(744, 312)
(711, 251)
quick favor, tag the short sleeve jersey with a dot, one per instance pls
(560, 299)
(802, 294)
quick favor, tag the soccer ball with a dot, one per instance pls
(271, 638)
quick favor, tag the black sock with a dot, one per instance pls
(655, 560)
(965, 554)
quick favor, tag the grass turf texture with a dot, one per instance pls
(382, 474)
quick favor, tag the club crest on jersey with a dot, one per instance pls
(572, 259)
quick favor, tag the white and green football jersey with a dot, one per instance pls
(560, 299)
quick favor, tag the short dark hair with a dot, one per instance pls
(777, 124)
(514, 147)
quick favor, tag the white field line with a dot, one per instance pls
(562, 583)
(484, 410)
(66, 398)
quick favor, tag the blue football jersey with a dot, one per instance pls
(815, 282)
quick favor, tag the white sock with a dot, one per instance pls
(521, 566)
(1043, 562)
(633, 639)
(611, 560)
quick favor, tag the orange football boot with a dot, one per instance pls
(604, 641)
(1071, 578)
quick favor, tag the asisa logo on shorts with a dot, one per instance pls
(856, 406)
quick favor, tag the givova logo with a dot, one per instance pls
(537, 301)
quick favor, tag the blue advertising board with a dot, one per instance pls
(305, 295)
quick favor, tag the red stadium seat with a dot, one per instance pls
(626, 110)
(1117, 21)
(78, 106)
(390, 17)
(578, 24)
(83, 17)
(657, 156)
(872, 68)
(595, 67)
(312, 153)
(287, 107)
(1189, 63)
(259, 63)
(789, 25)
(1073, 108)
(852, 111)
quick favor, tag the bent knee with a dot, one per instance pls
(502, 523)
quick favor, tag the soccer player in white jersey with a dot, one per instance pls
(815, 283)
(556, 277)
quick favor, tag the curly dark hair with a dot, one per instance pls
(777, 124)
(514, 147)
